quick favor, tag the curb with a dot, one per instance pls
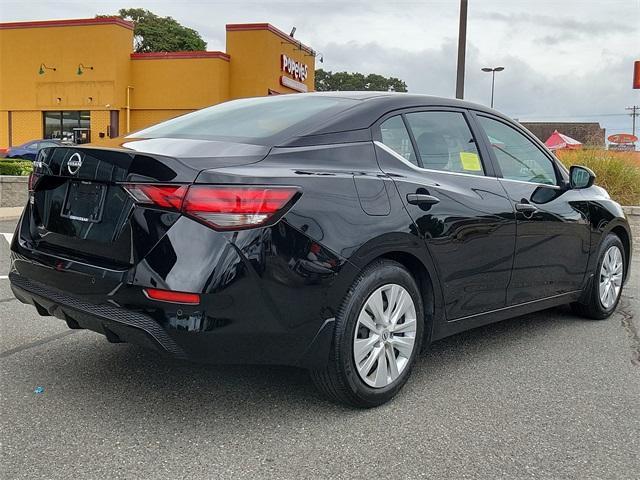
(632, 210)
(10, 213)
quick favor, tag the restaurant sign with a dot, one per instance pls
(297, 70)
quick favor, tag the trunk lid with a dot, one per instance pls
(80, 210)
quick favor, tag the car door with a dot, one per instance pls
(458, 207)
(552, 239)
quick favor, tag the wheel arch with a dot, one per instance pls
(425, 282)
(625, 237)
(409, 251)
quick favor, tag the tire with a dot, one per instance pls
(341, 380)
(593, 305)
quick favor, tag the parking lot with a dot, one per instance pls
(546, 395)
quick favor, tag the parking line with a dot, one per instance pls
(8, 237)
(37, 343)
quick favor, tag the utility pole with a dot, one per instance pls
(462, 47)
(634, 113)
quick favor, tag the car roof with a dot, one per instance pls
(370, 106)
(400, 98)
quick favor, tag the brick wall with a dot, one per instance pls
(13, 191)
(25, 126)
(100, 120)
(145, 118)
(4, 129)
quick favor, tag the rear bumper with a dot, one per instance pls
(117, 324)
(123, 325)
(267, 296)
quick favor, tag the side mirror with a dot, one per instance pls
(581, 177)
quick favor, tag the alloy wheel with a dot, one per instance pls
(385, 335)
(610, 277)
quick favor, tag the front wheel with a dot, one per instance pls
(378, 333)
(604, 290)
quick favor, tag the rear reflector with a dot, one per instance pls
(220, 206)
(173, 297)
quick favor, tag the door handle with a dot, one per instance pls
(526, 208)
(422, 199)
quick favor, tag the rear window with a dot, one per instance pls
(251, 119)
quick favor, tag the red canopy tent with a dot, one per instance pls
(557, 141)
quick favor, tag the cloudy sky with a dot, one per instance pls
(564, 59)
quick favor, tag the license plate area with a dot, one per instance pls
(84, 201)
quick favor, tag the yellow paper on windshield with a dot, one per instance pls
(470, 161)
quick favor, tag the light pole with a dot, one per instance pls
(462, 49)
(493, 78)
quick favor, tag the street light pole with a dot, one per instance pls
(462, 48)
(493, 78)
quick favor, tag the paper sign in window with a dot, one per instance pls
(470, 161)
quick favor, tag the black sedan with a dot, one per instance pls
(338, 232)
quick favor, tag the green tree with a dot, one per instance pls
(160, 34)
(329, 81)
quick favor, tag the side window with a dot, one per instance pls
(445, 142)
(32, 146)
(519, 158)
(396, 137)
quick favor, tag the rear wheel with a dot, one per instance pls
(604, 290)
(378, 333)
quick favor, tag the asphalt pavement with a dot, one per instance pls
(546, 395)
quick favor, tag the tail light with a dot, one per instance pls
(219, 206)
(33, 180)
(166, 196)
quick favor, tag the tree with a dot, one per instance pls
(329, 81)
(160, 34)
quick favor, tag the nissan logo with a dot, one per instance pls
(74, 163)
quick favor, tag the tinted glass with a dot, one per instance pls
(396, 137)
(69, 126)
(519, 158)
(52, 124)
(445, 142)
(250, 118)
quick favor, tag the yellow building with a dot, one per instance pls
(79, 79)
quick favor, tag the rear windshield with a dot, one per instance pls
(251, 120)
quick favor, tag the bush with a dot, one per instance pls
(15, 167)
(617, 172)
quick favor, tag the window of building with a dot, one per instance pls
(445, 142)
(68, 126)
(519, 158)
(396, 137)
